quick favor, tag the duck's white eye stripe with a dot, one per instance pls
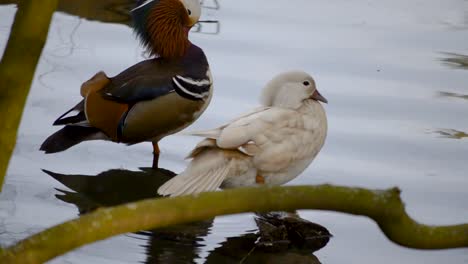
(142, 5)
(194, 82)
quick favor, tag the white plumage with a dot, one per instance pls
(270, 145)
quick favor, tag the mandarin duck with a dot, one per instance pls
(151, 99)
(269, 146)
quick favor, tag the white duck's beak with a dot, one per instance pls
(317, 96)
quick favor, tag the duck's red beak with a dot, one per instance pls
(317, 96)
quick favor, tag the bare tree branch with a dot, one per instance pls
(383, 206)
(17, 68)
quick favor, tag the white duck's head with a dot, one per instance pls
(290, 90)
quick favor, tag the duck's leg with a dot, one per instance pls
(155, 155)
(259, 179)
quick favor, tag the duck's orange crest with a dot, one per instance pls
(168, 25)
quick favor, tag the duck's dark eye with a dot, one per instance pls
(306, 83)
(189, 12)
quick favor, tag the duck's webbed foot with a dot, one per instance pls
(259, 179)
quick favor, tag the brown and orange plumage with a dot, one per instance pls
(153, 98)
(168, 27)
(101, 113)
(94, 84)
(104, 114)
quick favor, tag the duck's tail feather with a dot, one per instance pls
(213, 133)
(207, 171)
(78, 118)
(69, 136)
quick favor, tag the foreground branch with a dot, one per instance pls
(17, 67)
(108, 11)
(384, 207)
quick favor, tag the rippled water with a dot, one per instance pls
(394, 72)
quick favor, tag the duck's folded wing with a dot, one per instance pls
(216, 132)
(150, 79)
(248, 128)
(139, 83)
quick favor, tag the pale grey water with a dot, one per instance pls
(378, 63)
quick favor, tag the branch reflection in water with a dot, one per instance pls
(450, 132)
(282, 237)
(455, 60)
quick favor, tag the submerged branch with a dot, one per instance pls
(17, 67)
(384, 207)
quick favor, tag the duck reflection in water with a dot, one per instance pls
(282, 237)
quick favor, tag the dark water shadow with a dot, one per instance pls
(281, 237)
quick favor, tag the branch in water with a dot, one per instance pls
(383, 206)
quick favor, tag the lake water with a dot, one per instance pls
(398, 116)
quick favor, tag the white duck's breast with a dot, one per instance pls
(284, 176)
(290, 146)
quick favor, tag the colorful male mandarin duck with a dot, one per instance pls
(151, 99)
(269, 146)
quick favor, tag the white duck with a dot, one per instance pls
(269, 146)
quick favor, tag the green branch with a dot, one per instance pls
(384, 207)
(17, 67)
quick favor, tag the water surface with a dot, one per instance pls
(394, 73)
